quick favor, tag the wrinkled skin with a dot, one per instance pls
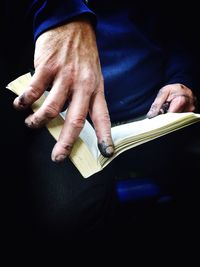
(66, 59)
(179, 98)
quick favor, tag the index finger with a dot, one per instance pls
(158, 102)
(39, 82)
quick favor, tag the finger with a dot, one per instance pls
(101, 120)
(178, 104)
(74, 122)
(164, 108)
(192, 106)
(158, 102)
(38, 84)
(52, 105)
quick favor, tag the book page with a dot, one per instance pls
(136, 133)
(88, 136)
(84, 153)
(146, 125)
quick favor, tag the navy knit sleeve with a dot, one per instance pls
(48, 14)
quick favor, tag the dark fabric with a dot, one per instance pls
(52, 198)
(64, 10)
(142, 45)
(44, 200)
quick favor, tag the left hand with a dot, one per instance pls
(178, 98)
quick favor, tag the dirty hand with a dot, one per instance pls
(66, 59)
(173, 98)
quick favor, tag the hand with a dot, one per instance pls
(173, 98)
(66, 59)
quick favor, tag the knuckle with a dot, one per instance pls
(66, 145)
(47, 66)
(183, 87)
(68, 73)
(77, 122)
(51, 111)
(104, 119)
(34, 92)
(89, 78)
(101, 93)
(154, 107)
(88, 91)
(52, 68)
(68, 70)
(186, 90)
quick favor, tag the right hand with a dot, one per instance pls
(176, 97)
(66, 58)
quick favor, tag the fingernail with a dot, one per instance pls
(150, 115)
(59, 158)
(33, 122)
(110, 150)
(105, 149)
(19, 102)
(29, 123)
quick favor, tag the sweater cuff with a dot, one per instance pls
(50, 14)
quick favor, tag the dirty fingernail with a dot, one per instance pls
(106, 150)
(19, 102)
(29, 123)
(59, 158)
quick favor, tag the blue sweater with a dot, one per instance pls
(136, 58)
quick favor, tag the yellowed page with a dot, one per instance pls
(132, 134)
(85, 154)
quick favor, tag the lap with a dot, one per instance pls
(48, 200)
(52, 195)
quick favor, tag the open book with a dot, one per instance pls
(85, 153)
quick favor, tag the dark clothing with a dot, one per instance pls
(47, 201)
(133, 43)
(53, 200)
